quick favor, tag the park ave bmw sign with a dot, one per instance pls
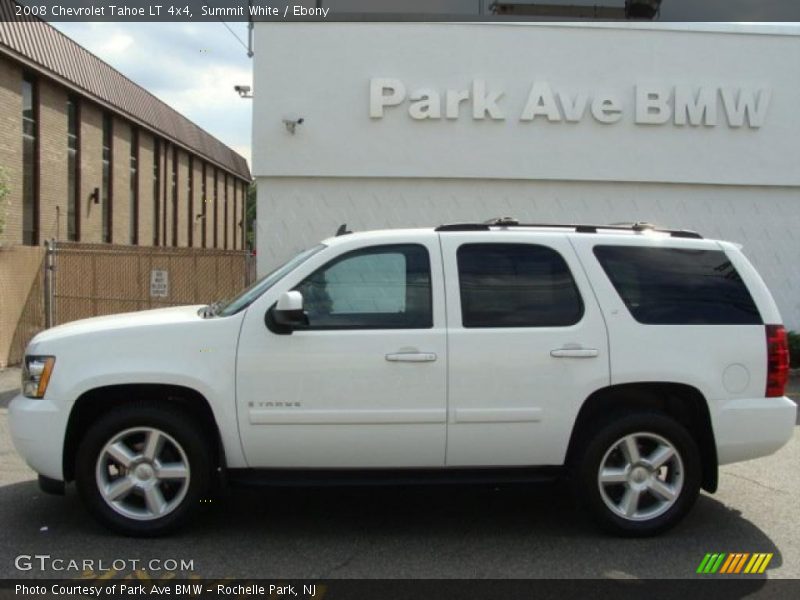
(650, 103)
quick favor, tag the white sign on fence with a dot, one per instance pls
(159, 283)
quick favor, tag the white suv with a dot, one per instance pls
(630, 359)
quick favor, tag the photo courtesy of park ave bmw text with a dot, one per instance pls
(399, 298)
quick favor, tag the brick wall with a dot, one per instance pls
(54, 177)
(231, 224)
(245, 196)
(237, 228)
(208, 222)
(197, 203)
(239, 213)
(11, 148)
(224, 199)
(235, 241)
(183, 199)
(166, 194)
(53, 199)
(145, 189)
(165, 201)
(211, 208)
(158, 191)
(219, 204)
(176, 209)
(243, 228)
(221, 223)
(237, 231)
(121, 189)
(91, 171)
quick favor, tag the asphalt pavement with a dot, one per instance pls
(428, 532)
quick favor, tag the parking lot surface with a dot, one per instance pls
(425, 532)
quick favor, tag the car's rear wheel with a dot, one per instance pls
(639, 474)
(142, 469)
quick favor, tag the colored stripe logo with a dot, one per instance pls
(734, 563)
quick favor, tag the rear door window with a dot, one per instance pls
(516, 285)
(678, 286)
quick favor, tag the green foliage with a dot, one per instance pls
(794, 349)
(250, 216)
(4, 203)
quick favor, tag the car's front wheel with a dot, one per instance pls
(142, 469)
(639, 474)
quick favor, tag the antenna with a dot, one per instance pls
(238, 39)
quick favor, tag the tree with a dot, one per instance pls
(250, 217)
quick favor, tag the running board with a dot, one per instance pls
(391, 477)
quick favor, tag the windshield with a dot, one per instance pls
(248, 296)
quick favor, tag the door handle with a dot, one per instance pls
(574, 353)
(411, 357)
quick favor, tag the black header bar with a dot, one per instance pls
(281, 11)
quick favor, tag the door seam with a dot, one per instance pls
(447, 353)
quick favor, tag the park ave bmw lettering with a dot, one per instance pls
(652, 103)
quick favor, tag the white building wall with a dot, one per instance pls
(740, 183)
(294, 214)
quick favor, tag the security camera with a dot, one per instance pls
(291, 124)
(243, 91)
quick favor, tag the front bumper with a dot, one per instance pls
(748, 428)
(37, 430)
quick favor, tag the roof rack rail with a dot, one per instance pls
(510, 222)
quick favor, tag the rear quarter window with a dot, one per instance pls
(678, 286)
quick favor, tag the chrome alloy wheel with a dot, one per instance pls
(641, 476)
(142, 473)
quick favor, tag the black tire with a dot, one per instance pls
(197, 449)
(603, 441)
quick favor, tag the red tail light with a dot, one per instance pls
(777, 360)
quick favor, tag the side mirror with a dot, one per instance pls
(287, 314)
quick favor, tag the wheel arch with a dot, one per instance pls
(95, 403)
(684, 403)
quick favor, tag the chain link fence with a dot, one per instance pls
(77, 281)
(97, 279)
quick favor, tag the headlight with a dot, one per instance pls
(36, 375)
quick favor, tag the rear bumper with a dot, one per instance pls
(751, 427)
(37, 430)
